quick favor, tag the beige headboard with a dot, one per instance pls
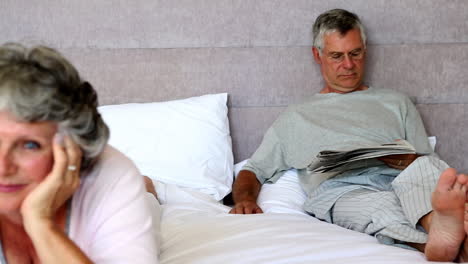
(256, 50)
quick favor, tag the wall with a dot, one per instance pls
(258, 51)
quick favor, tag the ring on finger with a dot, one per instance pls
(71, 168)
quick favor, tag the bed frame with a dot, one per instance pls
(256, 50)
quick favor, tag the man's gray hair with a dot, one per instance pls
(336, 20)
(39, 84)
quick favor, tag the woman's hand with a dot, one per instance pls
(51, 194)
(40, 207)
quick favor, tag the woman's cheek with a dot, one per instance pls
(40, 167)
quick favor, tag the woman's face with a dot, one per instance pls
(25, 159)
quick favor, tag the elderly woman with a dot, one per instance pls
(65, 196)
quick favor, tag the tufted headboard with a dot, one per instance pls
(256, 50)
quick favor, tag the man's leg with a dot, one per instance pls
(363, 200)
(377, 213)
(433, 196)
(416, 191)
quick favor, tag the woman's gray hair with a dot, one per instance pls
(336, 20)
(39, 84)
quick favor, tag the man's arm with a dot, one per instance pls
(245, 193)
(415, 134)
(399, 161)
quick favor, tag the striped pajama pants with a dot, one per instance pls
(380, 201)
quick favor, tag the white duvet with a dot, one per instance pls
(197, 229)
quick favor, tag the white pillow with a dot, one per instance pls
(432, 141)
(183, 142)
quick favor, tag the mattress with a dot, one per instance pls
(197, 229)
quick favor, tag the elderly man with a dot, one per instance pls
(403, 200)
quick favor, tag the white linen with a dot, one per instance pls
(184, 142)
(196, 229)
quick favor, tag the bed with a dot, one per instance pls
(194, 223)
(189, 88)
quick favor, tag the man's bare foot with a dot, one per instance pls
(447, 229)
(463, 257)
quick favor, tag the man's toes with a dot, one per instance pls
(447, 180)
(462, 179)
(464, 188)
(458, 186)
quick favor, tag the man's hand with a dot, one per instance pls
(245, 192)
(400, 161)
(246, 207)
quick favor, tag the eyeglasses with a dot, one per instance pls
(354, 55)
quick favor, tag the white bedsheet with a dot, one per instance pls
(197, 229)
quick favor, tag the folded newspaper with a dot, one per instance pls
(340, 160)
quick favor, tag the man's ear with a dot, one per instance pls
(317, 57)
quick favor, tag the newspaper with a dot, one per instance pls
(333, 161)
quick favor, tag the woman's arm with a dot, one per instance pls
(52, 245)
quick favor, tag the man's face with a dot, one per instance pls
(342, 61)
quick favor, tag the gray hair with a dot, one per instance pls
(336, 20)
(39, 84)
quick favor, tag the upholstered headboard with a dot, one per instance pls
(256, 50)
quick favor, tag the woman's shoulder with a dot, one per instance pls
(112, 155)
(111, 180)
(111, 167)
(112, 160)
(110, 202)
